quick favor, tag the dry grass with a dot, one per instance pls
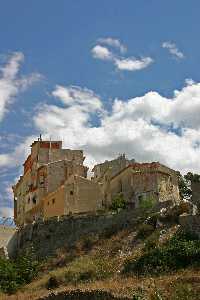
(120, 286)
(110, 253)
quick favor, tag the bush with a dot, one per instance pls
(13, 274)
(152, 241)
(184, 291)
(147, 203)
(144, 231)
(118, 202)
(88, 269)
(9, 278)
(52, 283)
(181, 251)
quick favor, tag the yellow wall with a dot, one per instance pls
(54, 203)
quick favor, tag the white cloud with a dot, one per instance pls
(11, 83)
(189, 81)
(173, 49)
(123, 64)
(74, 95)
(16, 157)
(102, 53)
(133, 64)
(113, 43)
(148, 128)
(141, 127)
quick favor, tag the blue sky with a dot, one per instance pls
(103, 76)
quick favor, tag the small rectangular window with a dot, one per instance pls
(71, 192)
(53, 201)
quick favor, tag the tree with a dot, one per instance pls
(184, 183)
(184, 187)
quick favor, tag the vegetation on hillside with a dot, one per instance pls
(185, 184)
(181, 251)
(142, 261)
(14, 274)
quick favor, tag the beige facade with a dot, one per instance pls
(112, 167)
(76, 195)
(54, 183)
(45, 170)
(138, 182)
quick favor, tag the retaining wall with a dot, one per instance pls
(47, 237)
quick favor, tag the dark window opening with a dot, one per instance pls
(48, 203)
(53, 201)
(34, 200)
(29, 200)
(140, 198)
(71, 193)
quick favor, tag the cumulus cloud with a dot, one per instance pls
(11, 83)
(121, 63)
(147, 128)
(133, 64)
(113, 43)
(102, 53)
(173, 50)
(16, 157)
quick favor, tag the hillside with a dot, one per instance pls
(145, 260)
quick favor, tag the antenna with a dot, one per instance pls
(50, 149)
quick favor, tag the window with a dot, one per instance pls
(71, 193)
(29, 200)
(34, 200)
(48, 203)
(53, 201)
(140, 198)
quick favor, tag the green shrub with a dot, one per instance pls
(52, 283)
(181, 251)
(152, 241)
(184, 291)
(118, 202)
(9, 278)
(88, 269)
(144, 231)
(147, 203)
(13, 274)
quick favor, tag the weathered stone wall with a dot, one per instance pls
(49, 236)
(195, 186)
(6, 235)
(190, 223)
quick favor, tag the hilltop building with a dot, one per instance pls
(138, 182)
(55, 183)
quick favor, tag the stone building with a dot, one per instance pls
(140, 181)
(113, 166)
(55, 183)
(47, 170)
(195, 187)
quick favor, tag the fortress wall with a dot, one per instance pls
(6, 235)
(45, 238)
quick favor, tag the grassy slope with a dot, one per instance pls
(96, 263)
